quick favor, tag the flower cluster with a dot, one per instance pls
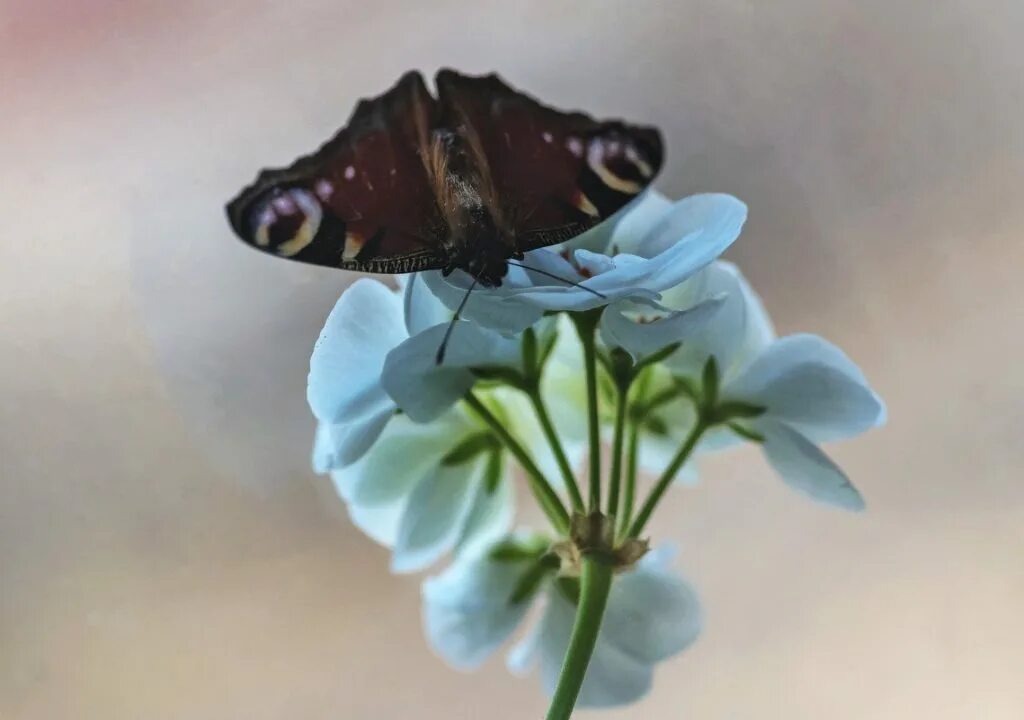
(632, 335)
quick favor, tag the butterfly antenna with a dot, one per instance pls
(451, 326)
(567, 281)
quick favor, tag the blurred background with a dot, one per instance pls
(165, 552)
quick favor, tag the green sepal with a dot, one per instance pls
(530, 352)
(504, 375)
(470, 448)
(746, 433)
(548, 347)
(710, 379)
(519, 549)
(570, 588)
(737, 409)
(656, 357)
(655, 424)
(529, 582)
(492, 473)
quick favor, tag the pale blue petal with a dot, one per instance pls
(550, 262)
(403, 455)
(379, 522)
(489, 519)
(435, 515)
(591, 263)
(422, 388)
(421, 307)
(811, 385)
(338, 445)
(623, 230)
(466, 610)
(486, 306)
(344, 370)
(803, 466)
(710, 219)
(701, 228)
(613, 677)
(652, 613)
(641, 330)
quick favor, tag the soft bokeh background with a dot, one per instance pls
(166, 553)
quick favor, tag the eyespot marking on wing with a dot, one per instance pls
(287, 221)
(599, 153)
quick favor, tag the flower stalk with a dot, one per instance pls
(586, 326)
(680, 458)
(595, 584)
(546, 496)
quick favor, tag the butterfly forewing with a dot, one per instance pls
(364, 201)
(552, 174)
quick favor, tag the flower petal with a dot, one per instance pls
(810, 384)
(404, 454)
(661, 328)
(379, 522)
(488, 519)
(343, 443)
(623, 230)
(421, 306)
(740, 331)
(422, 388)
(486, 306)
(653, 613)
(803, 466)
(614, 677)
(344, 370)
(466, 609)
(435, 515)
(711, 221)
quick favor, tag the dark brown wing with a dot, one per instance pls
(552, 174)
(364, 201)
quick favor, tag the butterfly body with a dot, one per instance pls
(468, 180)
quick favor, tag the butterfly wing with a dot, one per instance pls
(364, 201)
(551, 175)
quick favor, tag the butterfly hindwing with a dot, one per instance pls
(552, 174)
(364, 201)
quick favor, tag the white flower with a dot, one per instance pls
(649, 247)
(811, 392)
(425, 490)
(476, 604)
(376, 354)
(406, 485)
(808, 389)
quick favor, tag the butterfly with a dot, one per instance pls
(470, 179)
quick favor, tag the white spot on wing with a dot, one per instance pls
(574, 145)
(547, 136)
(350, 172)
(323, 189)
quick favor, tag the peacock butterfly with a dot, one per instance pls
(470, 179)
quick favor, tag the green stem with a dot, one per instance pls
(632, 454)
(546, 496)
(595, 583)
(586, 324)
(548, 427)
(666, 477)
(616, 472)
